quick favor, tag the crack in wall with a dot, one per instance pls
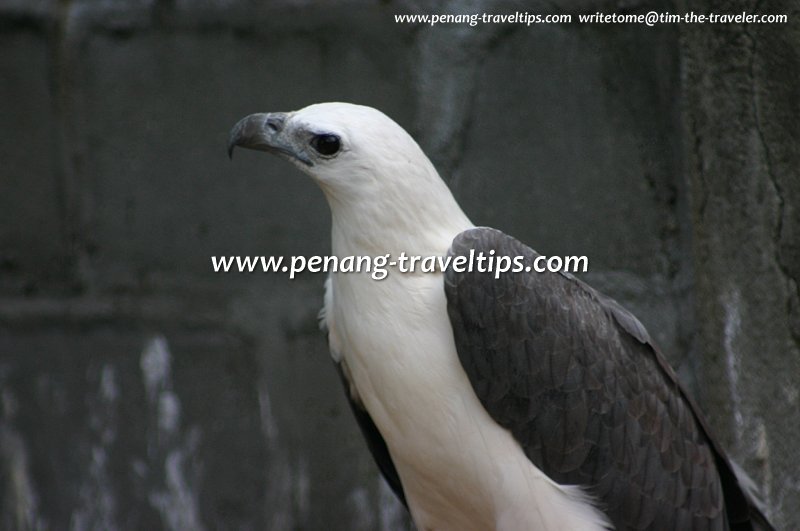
(777, 231)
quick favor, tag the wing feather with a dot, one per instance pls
(375, 442)
(578, 381)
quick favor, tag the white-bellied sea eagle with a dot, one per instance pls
(524, 402)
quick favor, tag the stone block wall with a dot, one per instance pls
(140, 390)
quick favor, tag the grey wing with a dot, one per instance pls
(577, 381)
(375, 442)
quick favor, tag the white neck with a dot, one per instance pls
(418, 216)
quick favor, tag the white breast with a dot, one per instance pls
(459, 469)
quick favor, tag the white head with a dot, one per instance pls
(384, 193)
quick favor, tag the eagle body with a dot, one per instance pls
(458, 468)
(527, 401)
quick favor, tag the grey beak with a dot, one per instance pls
(265, 132)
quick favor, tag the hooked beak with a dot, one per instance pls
(266, 132)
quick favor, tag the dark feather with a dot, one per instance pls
(579, 383)
(375, 442)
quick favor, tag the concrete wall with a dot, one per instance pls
(140, 390)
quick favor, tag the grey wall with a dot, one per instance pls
(140, 390)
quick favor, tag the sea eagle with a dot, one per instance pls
(528, 401)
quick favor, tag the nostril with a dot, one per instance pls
(275, 122)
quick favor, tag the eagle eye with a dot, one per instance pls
(326, 145)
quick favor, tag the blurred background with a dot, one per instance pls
(141, 390)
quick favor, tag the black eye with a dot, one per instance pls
(326, 144)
